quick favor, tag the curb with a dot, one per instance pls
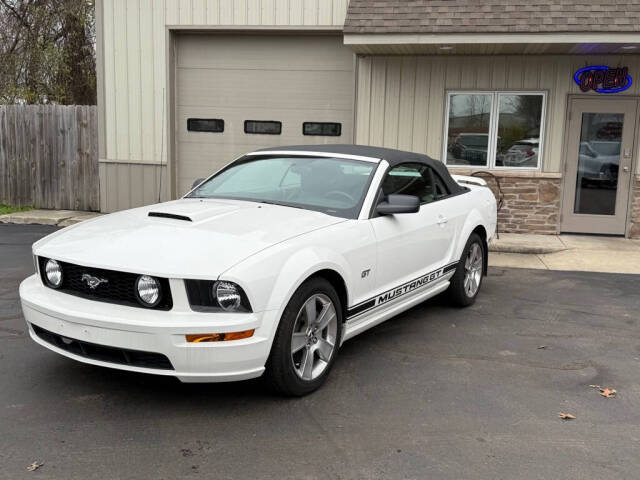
(59, 218)
(523, 249)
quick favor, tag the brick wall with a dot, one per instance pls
(531, 201)
(635, 209)
(531, 205)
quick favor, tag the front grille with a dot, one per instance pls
(122, 356)
(120, 287)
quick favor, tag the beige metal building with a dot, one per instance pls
(543, 97)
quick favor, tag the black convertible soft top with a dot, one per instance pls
(394, 157)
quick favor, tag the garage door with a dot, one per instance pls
(237, 93)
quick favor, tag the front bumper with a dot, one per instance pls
(138, 329)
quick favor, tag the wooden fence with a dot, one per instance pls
(49, 156)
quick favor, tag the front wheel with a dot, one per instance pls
(466, 281)
(307, 340)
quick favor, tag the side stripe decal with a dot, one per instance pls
(399, 291)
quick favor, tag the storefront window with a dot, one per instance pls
(469, 122)
(495, 129)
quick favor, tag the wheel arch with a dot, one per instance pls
(482, 233)
(338, 283)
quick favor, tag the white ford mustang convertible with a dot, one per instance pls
(266, 267)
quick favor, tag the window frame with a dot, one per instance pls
(494, 116)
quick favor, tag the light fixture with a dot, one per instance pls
(148, 290)
(53, 273)
(218, 337)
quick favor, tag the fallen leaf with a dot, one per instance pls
(34, 466)
(607, 392)
(566, 416)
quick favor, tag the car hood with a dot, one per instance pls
(211, 237)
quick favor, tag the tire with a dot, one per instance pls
(461, 291)
(288, 370)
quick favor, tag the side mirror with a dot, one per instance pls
(197, 182)
(395, 204)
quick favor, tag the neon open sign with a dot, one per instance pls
(603, 79)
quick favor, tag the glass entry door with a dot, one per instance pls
(598, 169)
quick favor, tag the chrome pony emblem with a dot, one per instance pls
(93, 282)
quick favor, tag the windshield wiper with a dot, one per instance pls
(269, 202)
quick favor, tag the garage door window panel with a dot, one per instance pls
(263, 127)
(494, 129)
(324, 129)
(211, 125)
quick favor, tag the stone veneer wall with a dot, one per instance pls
(634, 232)
(531, 201)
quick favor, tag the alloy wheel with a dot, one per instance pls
(473, 270)
(313, 340)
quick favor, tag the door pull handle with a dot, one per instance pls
(442, 220)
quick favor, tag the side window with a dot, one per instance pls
(414, 179)
(441, 189)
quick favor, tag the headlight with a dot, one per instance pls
(148, 290)
(228, 296)
(53, 273)
(212, 296)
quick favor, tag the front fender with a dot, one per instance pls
(271, 279)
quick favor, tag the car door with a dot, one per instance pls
(414, 244)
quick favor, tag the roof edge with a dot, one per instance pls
(488, 38)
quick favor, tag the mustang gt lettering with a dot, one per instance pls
(264, 268)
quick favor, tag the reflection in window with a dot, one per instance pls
(518, 141)
(494, 129)
(468, 136)
(598, 163)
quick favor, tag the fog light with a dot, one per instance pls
(53, 273)
(218, 337)
(148, 290)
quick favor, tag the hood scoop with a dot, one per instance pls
(173, 216)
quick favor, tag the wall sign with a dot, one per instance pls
(603, 79)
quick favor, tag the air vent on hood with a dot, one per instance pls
(169, 215)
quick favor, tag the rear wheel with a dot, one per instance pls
(306, 343)
(466, 281)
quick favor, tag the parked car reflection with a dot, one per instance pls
(523, 153)
(470, 148)
(598, 164)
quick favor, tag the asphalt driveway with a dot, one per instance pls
(435, 393)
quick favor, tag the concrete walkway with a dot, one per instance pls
(586, 253)
(548, 252)
(61, 218)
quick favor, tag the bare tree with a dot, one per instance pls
(47, 51)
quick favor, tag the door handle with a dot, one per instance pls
(442, 220)
(625, 169)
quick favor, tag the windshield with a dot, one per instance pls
(334, 186)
